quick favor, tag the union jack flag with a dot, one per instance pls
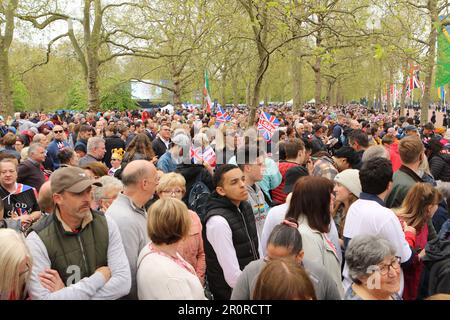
(221, 116)
(267, 125)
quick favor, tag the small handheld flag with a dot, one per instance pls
(267, 125)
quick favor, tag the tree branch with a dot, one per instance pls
(47, 58)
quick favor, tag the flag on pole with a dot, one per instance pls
(267, 125)
(206, 92)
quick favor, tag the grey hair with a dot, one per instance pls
(33, 148)
(108, 183)
(365, 251)
(94, 142)
(375, 152)
(38, 138)
(201, 139)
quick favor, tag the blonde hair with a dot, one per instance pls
(171, 180)
(13, 251)
(168, 221)
(414, 206)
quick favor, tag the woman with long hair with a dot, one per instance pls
(15, 265)
(311, 206)
(140, 148)
(417, 209)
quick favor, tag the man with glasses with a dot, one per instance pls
(140, 180)
(161, 143)
(59, 142)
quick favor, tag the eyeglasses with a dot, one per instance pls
(173, 192)
(58, 131)
(395, 264)
(115, 159)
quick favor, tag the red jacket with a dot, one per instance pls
(413, 273)
(278, 194)
(395, 156)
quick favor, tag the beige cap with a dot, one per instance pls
(72, 179)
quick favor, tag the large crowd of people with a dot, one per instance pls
(342, 203)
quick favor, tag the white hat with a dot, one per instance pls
(350, 179)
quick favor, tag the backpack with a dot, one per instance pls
(198, 198)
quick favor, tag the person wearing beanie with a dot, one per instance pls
(347, 189)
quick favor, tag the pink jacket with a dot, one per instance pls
(191, 249)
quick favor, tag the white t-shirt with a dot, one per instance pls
(367, 217)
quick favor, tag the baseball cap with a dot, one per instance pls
(410, 128)
(291, 177)
(72, 179)
(181, 140)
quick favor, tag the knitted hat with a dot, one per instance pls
(350, 179)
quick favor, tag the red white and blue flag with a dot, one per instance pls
(221, 116)
(267, 125)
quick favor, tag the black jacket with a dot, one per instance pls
(437, 262)
(30, 173)
(113, 142)
(440, 167)
(159, 147)
(245, 241)
(193, 173)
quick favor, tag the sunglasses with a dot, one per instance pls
(58, 131)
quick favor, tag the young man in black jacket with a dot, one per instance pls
(161, 143)
(231, 239)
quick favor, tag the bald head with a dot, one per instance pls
(136, 171)
(45, 199)
(140, 180)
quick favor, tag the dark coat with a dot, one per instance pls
(159, 147)
(440, 167)
(30, 173)
(437, 263)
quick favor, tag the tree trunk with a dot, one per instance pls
(6, 101)
(262, 67)
(388, 102)
(177, 92)
(432, 6)
(223, 88)
(92, 85)
(6, 91)
(404, 89)
(370, 102)
(296, 81)
(248, 95)
(234, 88)
(318, 81)
(329, 89)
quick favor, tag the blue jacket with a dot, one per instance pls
(52, 152)
(166, 163)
